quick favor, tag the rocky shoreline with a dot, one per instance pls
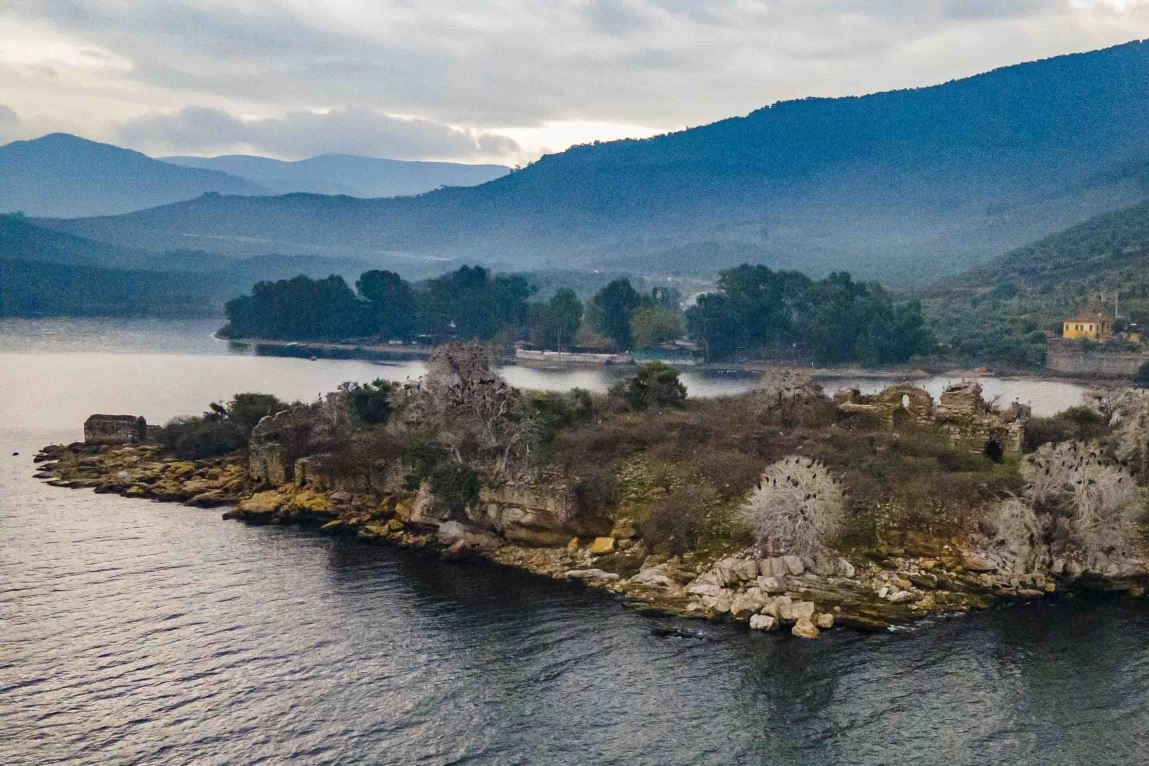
(867, 590)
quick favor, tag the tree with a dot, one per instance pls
(654, 385)
(557, 320)
(300, 309)
(392, 303)
(797, 508)
(611, 309)
(1142, 378)
(474, 409)
(654, 325)
(714, 322)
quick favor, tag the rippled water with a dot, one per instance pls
(139, 633)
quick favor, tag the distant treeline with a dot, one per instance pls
(755, 311)
(470, 303)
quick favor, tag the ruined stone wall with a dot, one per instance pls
(115, 429)
(1069, 358)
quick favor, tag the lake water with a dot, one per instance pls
(139, 633)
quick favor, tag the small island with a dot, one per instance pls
(782, 507)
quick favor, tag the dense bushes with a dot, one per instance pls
(1074, 424)
(654, 385)
(225, 427)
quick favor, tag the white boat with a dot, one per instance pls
(533, 356)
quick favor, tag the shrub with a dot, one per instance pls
(1074, 424)
(371, 401)
(197, 438)
(654, 385)
(595, 492)
(1142, 377)
(246, 410)
(680, 519)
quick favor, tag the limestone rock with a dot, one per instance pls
(602, 546)
(747, 603)
(654, 578)
(824, 621)
(975, 563)
(763, 622)
(591, 575)
(798, 610)
(773, 606)
(771, 584)
(804, 628)
(846, 569)
(794, 565)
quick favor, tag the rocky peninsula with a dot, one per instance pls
(781, 509)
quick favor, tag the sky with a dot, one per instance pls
(487, 80)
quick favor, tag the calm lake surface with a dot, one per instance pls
(138, 633)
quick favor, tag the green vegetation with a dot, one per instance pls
(757, 311)
(1003, 311)
(654, 385)
(224, 428)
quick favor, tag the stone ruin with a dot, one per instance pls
(115, 429)
(961, 411)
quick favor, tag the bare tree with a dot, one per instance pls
(1130, 437)
(798, 507)
(1081, 499)
(474, 407)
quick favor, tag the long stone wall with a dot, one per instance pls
(1072, 358)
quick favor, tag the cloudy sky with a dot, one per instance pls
(487, 80)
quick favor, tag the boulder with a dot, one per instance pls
(771, 584)
(974, 563)
(846, 569)
(602, 546)
(654, 578)
(704, 587)
(773, 606)
(796, 611)
(733, 570)
(804, 628)
(763, 622)
(824, 621)
(773, 566)
(794, 565)
(747, 602)
(592, 576)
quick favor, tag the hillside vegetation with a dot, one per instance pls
(905, 186)
(1003, 311)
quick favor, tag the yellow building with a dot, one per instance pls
(1093, 327)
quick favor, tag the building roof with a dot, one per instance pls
(1090, 318)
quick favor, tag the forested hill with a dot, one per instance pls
(64, 175)
(904, 186)
(1004, 309)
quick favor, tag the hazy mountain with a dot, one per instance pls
(905, 186)
(44, 272)
(63, 175)
(346, 174)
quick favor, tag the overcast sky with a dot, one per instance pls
(487, 80)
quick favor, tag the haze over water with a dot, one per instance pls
(139, 633)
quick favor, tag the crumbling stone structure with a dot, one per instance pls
(115, 429)
(961, 411)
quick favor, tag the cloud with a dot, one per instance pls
(8, 117)
(355, 130)
(471, 71)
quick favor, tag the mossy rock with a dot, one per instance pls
(263, 502)
(310, 501)
(181, 469)
(623, 564)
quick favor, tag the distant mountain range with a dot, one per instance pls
(64, 176)
(906, 186)
(45, 272)
(346, 174)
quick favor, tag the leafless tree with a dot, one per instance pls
(471, 404)
(1130, 437)
(798, 508)
(1080, 498)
